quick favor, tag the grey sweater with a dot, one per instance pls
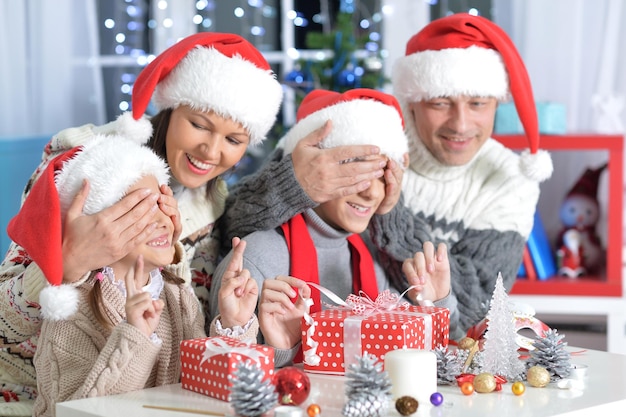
(267, 256)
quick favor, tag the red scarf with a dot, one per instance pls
(303, 259)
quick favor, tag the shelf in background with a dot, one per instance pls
(611, 284)
(582, 286)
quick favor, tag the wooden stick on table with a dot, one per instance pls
(184, 410)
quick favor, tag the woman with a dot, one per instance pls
(216, 95)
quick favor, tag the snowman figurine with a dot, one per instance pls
(578, 241)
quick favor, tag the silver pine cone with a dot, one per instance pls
(366, 404)
(550, 353)
(367, 375)
(250, 394)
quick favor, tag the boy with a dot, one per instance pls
(324, 245)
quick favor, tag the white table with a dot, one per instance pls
(604, 395)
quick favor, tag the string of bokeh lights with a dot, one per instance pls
(132, 23)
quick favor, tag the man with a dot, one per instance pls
(462, 188)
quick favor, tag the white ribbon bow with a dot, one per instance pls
(217, 346)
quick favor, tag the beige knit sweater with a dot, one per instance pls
(79, 358)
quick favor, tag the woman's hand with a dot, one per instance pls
(169, 205)
(279, 317)
(141, 310)
(239, 293)
(429, 272)
(94, 241)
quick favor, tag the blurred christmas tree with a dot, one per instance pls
(354, 60)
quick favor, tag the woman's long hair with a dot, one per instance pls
(160, 124)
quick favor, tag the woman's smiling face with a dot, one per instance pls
(202, 145)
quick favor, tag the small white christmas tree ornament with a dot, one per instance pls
(500, 355)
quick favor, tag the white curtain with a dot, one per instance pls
(50, 77)
(575, 52)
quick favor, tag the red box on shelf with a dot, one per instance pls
(337, 336)
(207, 362)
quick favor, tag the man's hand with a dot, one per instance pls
(326, 174)
(393, 185)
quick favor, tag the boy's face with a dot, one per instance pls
(158, 248)
(353, 213)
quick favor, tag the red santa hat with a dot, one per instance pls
(209, 71)
(463, 54)
(360, 116)
(111, 165)
(587, 184)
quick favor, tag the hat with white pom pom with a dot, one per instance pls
(469, 55)
(112, 165)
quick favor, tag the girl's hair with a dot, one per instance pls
(160, 123)
(96, 301)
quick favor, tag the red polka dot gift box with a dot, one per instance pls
(207, 362)
(334, 338)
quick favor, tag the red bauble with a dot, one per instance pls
(292, 385)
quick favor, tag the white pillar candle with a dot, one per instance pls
(412, 372)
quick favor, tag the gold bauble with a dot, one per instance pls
(538, 376)
(466, 343)
(518, 388)
(484, 383)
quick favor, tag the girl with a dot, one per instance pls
(130, 316)
(216, 95)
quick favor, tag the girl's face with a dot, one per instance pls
(200, 145)
(353, 213)
(158, 249)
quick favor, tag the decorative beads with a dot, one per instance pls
(436, 399)
(518, 388)
(467, 388)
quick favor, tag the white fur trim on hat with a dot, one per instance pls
(473, 71)
(58, 302)
(125, 125)
(232, 87)
(537, 167)
(355, 122)
(111, 164)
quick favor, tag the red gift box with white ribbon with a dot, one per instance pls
(334, 338)
(207, 362)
